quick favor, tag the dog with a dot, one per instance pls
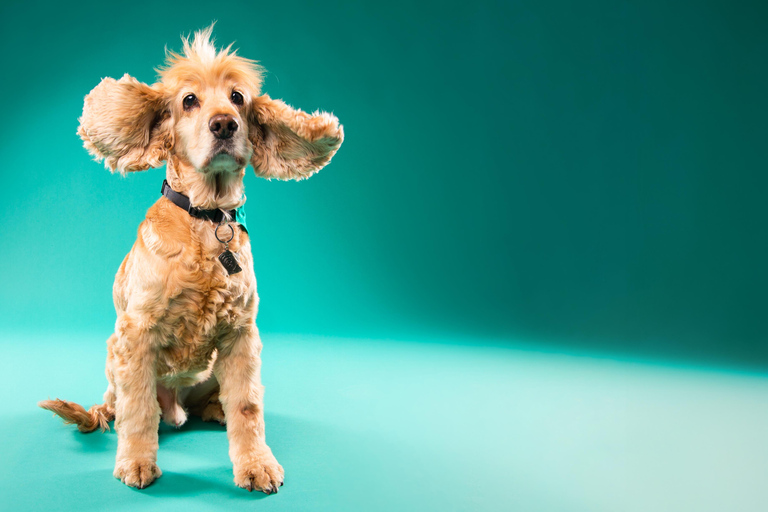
(185, 338)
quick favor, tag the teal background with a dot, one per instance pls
(533, 278)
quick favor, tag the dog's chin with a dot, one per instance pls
(223, 162)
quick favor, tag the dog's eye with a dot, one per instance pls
(237, 98)
(189, 102)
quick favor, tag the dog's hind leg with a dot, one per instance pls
(109, 394)
(203, 400)
(214, 411)
(173, 413)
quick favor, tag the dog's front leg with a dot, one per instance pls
(137, 413)
(238, 370)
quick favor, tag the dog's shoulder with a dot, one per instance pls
(165, 231)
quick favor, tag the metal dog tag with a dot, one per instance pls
(230, 262)
(227, 258)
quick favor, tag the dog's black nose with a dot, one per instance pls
(223, 126)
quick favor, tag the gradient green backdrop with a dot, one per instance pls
(566, 177)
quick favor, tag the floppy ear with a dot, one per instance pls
(125, 123)
(291, 144)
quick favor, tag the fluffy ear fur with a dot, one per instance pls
(126, 124)
(291, 144)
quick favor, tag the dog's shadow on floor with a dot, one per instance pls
(212, 481)
(193, 424)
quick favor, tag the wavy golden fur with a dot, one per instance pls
(185, 339)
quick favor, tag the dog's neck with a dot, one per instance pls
(206, 190)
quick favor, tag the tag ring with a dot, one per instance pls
(231, 230)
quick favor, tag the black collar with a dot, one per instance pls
(182, 202)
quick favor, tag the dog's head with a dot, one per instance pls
(208, 112)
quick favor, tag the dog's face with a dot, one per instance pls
(209, 97)
(211, 125)
(207, 111)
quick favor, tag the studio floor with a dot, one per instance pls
(422, 424)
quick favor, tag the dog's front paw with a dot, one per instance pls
(137, 472)
(261, 473)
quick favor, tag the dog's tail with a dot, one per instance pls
(97, 416)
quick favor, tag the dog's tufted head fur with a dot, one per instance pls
(133, 126)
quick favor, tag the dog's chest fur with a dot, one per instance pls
(173, 284)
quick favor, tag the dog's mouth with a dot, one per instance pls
(224, 159)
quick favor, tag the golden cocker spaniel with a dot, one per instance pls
(185, 339)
